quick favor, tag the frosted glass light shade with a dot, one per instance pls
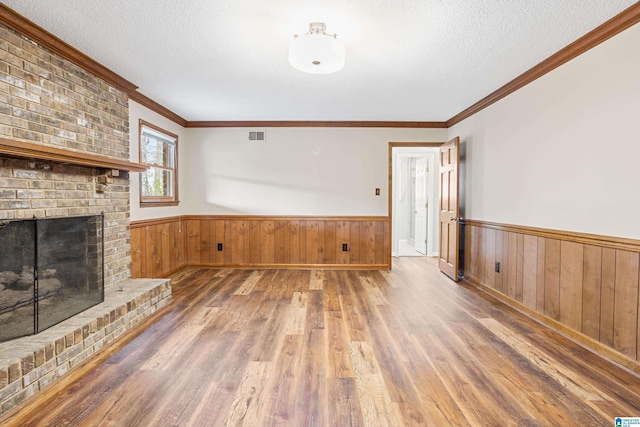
(316, 54)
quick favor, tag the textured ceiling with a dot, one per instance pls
(413, 60)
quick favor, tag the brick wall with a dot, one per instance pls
(47, 100)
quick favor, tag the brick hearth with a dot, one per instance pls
(29, 364)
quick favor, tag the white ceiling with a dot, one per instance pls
(418, 60)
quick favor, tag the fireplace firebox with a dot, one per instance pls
(50, 270)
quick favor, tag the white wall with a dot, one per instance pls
(137, 112)
(297, 171)
(564, 151)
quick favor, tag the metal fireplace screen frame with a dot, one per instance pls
(50, 270)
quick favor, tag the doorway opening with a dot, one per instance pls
(413, 198)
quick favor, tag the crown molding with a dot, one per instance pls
(154, 106)
(42, 37)
(615, 25)
(312, 124)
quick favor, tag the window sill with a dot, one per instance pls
(158, 204)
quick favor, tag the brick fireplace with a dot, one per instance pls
(64, 151)
(49, 101)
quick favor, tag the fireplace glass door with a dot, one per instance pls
(17, 297)
(50, 269)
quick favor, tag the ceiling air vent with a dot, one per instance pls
(258, 135)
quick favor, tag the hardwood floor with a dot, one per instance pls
(338, 348)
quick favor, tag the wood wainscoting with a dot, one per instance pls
(158, 247)
(162, 246)
(585, 285)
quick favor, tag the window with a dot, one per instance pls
(158, 151)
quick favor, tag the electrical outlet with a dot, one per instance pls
(497, 267)
(345, 247)
(219, 246)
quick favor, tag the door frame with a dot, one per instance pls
(390, 184)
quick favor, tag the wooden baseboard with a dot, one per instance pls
(582, 339)
(583, 285)
(297, 266)
(173, 271)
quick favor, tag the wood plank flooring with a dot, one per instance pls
(337, 348)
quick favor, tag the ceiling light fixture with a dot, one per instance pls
(316, 52)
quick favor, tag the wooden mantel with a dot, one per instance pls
(27, 150)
